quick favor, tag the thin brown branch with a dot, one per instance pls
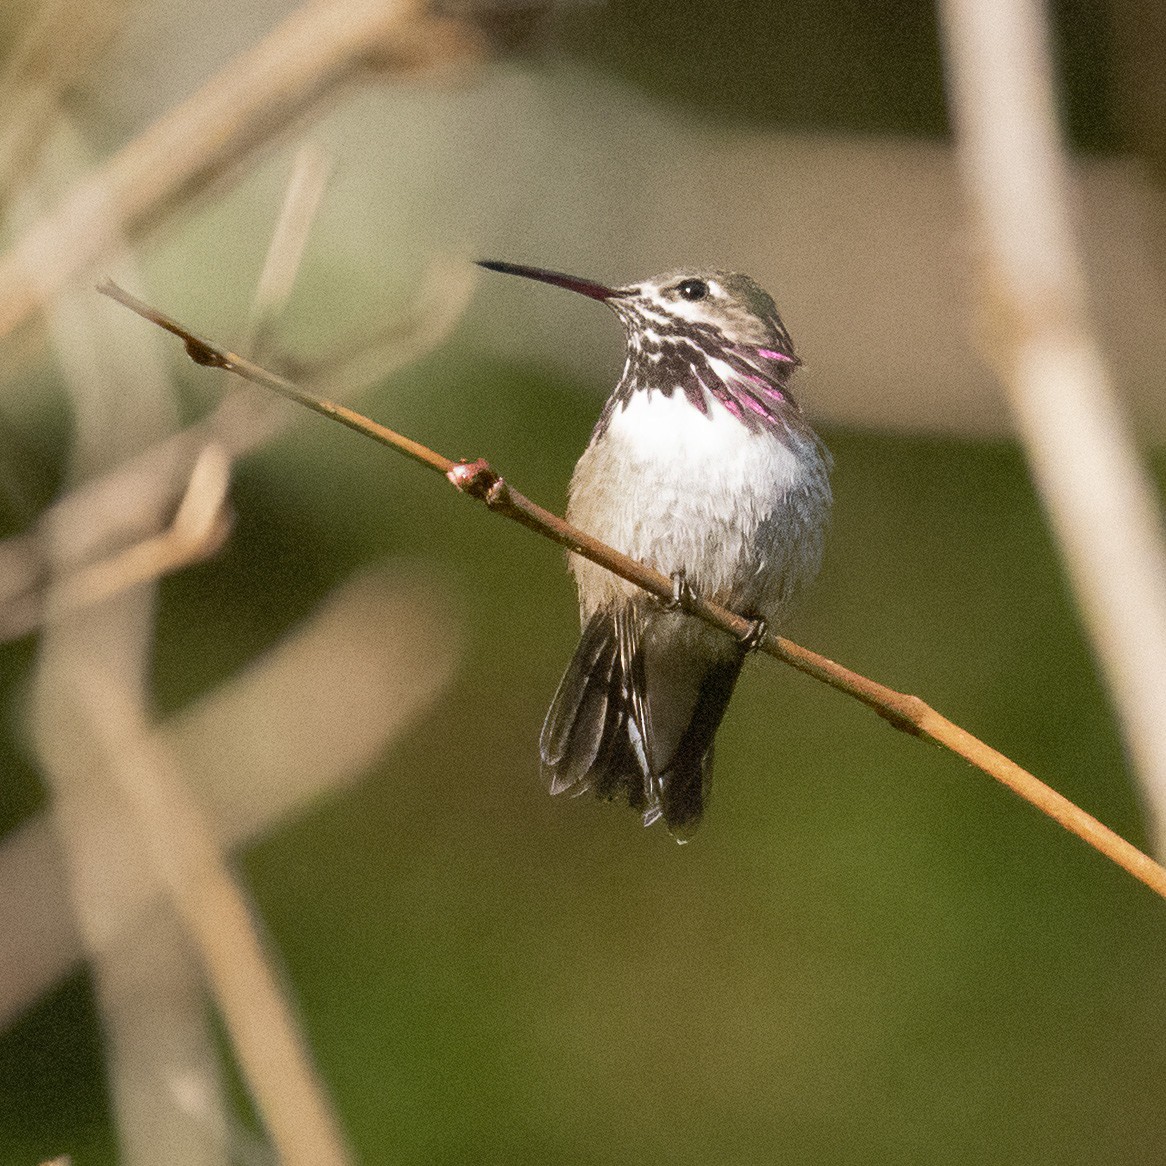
(204, 352)
(141, 491)
(908, 713)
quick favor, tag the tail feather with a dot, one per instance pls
(686, 779)
(636, 712)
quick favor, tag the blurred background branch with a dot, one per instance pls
(254, 98)
(199, 530)
(61, 43)
(150, 999)
(347, 674)
(1038, 334)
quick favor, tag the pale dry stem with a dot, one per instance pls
(199, 530)
(264, 1033)
(322, 45)
(311, 171)
(1039, 337)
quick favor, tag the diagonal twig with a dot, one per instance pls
(140, 491)
(272, 1052)
(907, 713)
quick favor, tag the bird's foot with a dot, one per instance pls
(754, 635)
(682, 593)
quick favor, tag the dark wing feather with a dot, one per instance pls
(585, 741)
(572, 733)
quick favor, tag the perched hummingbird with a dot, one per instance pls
(703, 467)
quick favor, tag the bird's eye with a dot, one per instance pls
(693, 289)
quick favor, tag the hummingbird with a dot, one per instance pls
(702, 466)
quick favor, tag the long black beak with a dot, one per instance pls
(585, 287)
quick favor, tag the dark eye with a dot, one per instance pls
(693, 289)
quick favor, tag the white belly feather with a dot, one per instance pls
(684, 490)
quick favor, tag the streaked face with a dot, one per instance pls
(731, 304)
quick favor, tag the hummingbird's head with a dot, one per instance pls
(719, 308)
(704, 332)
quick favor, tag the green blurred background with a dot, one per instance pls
(869, 953)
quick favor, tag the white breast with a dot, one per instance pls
(681, 489)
